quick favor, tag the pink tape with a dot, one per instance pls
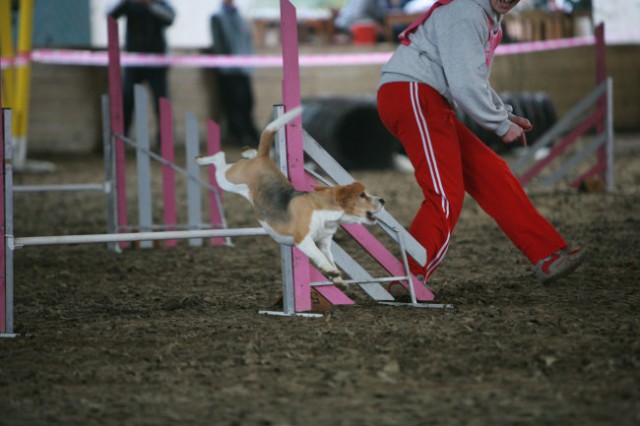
(100, 58)
(539, 46)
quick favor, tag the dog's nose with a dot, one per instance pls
(382, 201)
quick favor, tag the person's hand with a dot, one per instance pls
(522, 122)
(515, 133)
(519, 125)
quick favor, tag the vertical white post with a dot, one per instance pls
(609, 176)
(143, 162)
(286, 252)
(8, 228)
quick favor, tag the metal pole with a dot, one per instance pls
(286, 252)
(8, 220)
(143, 162)
(100, 187)
(610, 177)
(109, 171)
(194, 203)
(134, 236)
(167, 149)
(4, 248)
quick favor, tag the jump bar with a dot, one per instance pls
(135, 236)
(61, 188)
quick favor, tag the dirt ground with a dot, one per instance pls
(173, 336)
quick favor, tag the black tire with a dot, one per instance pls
(351, 131)
(527, 105)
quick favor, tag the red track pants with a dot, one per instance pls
(449, 160)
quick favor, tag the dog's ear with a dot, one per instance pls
(349, 191)
(358, 187)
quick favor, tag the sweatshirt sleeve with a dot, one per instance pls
(462, 51)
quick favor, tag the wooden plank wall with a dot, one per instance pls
(65, 100)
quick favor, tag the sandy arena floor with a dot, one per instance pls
(173, 336)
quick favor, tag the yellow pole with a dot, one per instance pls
(7, 51)
(23, 74)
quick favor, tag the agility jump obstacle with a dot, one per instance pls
(114, 137)
(191, 172)
(574, 124)
(293, 263)
(297, 273)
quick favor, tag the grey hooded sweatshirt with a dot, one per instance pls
(449, 53)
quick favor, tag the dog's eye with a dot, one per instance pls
(363, 195)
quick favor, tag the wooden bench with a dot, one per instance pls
(395, 18)
(318, 23)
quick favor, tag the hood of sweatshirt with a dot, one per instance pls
(486, 6)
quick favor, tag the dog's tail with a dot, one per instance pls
(269, 133)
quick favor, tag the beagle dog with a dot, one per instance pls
(307, 220)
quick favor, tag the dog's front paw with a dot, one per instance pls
(336, 278)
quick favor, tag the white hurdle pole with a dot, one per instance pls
(71, 187)
(135, 236)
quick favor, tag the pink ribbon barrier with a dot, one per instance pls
(100, 58)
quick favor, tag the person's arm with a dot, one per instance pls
(497, 101)
(163, 10)
(218, 40)
(513, 134)
(462, 50)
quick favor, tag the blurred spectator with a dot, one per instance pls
(231, 35)
(147, 21)
(396, 5)
(553, 5)
(399, 7)
(559, 5)
(360, 12)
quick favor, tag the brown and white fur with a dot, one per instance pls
(307, 220)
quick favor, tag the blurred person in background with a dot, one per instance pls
(147, 21)
(361, 12)
(231, 35)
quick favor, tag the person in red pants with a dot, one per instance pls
(444, 59)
